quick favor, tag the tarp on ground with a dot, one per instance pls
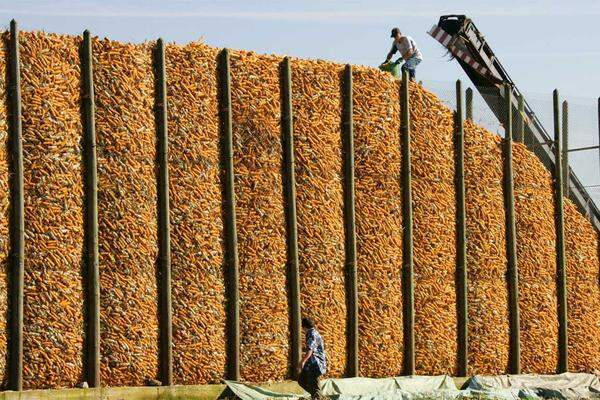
(245, 391)
(505, 387)
(369, 386)
(562, 386)
(395, 388)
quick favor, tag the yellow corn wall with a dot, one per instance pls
(124, 82)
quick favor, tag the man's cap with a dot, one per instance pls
(395, 31)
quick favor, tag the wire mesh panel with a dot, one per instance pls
(4, 212)
(536, 235)
(199, 298)
(582, 126)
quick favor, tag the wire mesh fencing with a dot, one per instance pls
(579, 122)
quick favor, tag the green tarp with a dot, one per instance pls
(369, 386)
(506, 387)
(562, 386)
(397, 388)
(250, 392)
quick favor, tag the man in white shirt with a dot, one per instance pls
(408, 50)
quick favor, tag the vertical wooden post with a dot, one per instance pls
(461, 237)
(407, 237)
(91, 216)
(565, 148)
(17, 245)
(521, 120)
(287, 127)
(469, 103)
(511, 239)
(231, 253)
(350, 225)
(164, 241)
(563, 357)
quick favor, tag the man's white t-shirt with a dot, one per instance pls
(405, 45)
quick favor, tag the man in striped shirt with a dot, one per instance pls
(314, 362)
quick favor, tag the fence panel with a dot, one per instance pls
(198, 276)
(4, 212)
(127, 212)
(53, 319)
(320, 202)
(378, 223)
(434, 208)
(260, 212)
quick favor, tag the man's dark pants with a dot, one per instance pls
(309, 380)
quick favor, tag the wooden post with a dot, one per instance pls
(289, 175)
(563, 356)
(17, 244)
(350, 225)
(521, 120)
(231, 253)
(407, 237)
(469, 103)
(91, 216)
(461, 238)
(565, 148)
(511, 239)
(164, 241)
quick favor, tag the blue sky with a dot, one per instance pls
(543, 44)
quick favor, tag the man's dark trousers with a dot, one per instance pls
(309, 380)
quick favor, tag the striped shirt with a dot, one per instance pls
(314, 342)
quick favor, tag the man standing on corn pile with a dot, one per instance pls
(314, 363)
(408, 50)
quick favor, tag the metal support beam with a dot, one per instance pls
(461, 237)
(92, 370)
(563, 358)
(565, 148)
(17, 228)
(469, 103)
(511, 240)
(582, 149)
(535, 133)
(287, 127)
(164, 241)
(350, 225)
(407, 237)
(231, 252)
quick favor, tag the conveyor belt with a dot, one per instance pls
(460, 36)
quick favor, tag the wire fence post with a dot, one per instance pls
(91, 216)
(17, 245)
(231, 253)
(287, 126)
(469, 103)
(461, 237)
(521, 119)
(511, 238)
(164, 241)
(565, 148)
(350, 225)
(407, 239)
(563, 358)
